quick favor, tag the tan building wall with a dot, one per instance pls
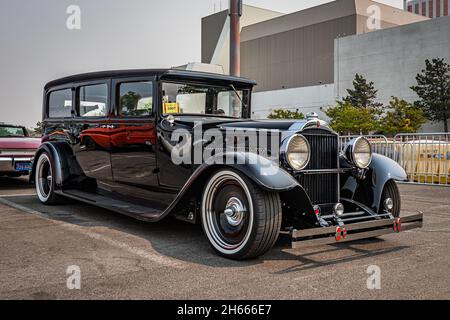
(297, 50)
(296, 58)
(216, 33)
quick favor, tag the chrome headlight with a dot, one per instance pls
(359, 152)
(297, 152)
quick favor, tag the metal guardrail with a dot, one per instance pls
(424, 156)
(380, 144)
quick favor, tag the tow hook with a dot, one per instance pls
(397, 225)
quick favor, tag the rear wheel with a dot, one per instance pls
(240, 220)
(390, 199)
(44, 179)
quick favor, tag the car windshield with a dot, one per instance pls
(11, 132)
(186, 98)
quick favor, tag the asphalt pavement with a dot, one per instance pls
(117, 257)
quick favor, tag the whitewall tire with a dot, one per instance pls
(240, 220)
(45, 179)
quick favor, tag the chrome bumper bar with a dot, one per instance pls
(8, 164)
(354, 231)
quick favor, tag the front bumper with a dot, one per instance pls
(8, 164)
(354, 231)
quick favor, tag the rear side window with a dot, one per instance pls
(93, 100)
(60, 104)
(136, 99)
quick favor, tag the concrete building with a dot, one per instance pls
(292, 57)
(216, 33)
(392, 58)
(429, 8)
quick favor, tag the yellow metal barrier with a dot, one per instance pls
(424, 156)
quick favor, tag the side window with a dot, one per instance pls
(136, 99)
(60, 104)
(93, 100)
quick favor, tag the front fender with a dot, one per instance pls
(383, 170)
(265, 173)
(369, 191)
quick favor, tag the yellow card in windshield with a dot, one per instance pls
(171, 107)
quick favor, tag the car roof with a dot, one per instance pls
(2, 124)
(162, 73)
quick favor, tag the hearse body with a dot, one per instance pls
(109, 141)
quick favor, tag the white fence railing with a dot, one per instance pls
(424, 156)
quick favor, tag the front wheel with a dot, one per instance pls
(390, 199)
(240, 220)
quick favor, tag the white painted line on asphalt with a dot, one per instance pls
(148, 255)
(17, 195)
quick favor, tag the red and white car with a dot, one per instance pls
(17, 150)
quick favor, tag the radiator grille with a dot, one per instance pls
(324, 149)
(322, 188)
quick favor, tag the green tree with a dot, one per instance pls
(348, 119)
(402, 117)
(362, 95)
(433, 89)
(129, 101)
(39, 129)
(285, 114)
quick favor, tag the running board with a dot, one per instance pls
(354, 231)
(136, 211)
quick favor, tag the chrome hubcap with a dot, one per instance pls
(235, 211)
(388, 204)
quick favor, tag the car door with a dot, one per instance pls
(133, 133)
(91, 129)
(173, 174)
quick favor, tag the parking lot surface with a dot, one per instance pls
(121, 258)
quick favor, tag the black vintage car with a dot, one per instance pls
(154, 143)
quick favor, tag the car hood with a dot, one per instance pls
(20, 143)
(286, 127)
(227, 123)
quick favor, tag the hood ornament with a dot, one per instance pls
(312, 116)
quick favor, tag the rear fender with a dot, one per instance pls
(63, 160)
